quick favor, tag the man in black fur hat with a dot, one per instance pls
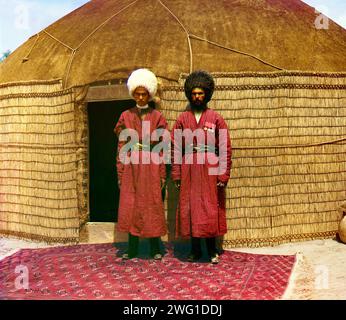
(201, 162)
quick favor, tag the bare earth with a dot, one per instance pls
(319, 274)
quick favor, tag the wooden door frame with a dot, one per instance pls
(101, 93)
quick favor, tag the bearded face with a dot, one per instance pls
(198, 99)
(196, 82)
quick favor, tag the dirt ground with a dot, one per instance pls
(319, 274)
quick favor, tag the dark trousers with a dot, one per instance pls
(197, 249)
(134, 244)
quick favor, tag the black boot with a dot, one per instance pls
(155, 248)
(196, 251)
(133, 248)
(212, 250)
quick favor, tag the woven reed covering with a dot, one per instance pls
(288, 172)
(108, 39)
(38, 155)
(287, 128)
(289, 143)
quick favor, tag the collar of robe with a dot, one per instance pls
(144, 107)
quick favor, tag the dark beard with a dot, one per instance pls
(198, 106)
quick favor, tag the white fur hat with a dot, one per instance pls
(142, 78)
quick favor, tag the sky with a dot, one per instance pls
(20, 19)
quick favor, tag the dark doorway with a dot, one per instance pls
(103, 179)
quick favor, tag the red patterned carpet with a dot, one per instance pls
(96, 272)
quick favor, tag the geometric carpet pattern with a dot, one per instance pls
(96, 272)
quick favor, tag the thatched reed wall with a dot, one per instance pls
(288, 178)
(39, 161)
(288, 135)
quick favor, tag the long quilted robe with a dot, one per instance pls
(201, 211)
(141, 210)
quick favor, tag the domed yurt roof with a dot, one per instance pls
(107, 39)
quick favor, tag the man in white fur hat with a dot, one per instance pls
(141, 210)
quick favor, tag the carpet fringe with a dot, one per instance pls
(301, 282)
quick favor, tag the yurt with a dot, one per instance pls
(280, 83)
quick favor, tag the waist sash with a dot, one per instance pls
(201, 148)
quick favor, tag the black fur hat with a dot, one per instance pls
(200, 79)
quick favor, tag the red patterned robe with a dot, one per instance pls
(201, 212)
(141, 210)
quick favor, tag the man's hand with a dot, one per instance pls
(177, 184)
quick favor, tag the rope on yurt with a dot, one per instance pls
(91, 34)
(235, 50)
(104, 23)
(186, 31)
(189, 36)
(294, 145)
(74, 50)
(56, 39)
(26, 58)
(69, 65)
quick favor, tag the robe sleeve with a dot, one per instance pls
(117, 130)
(225, 151)
(176, 152)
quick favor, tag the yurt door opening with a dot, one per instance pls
(103, 143)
